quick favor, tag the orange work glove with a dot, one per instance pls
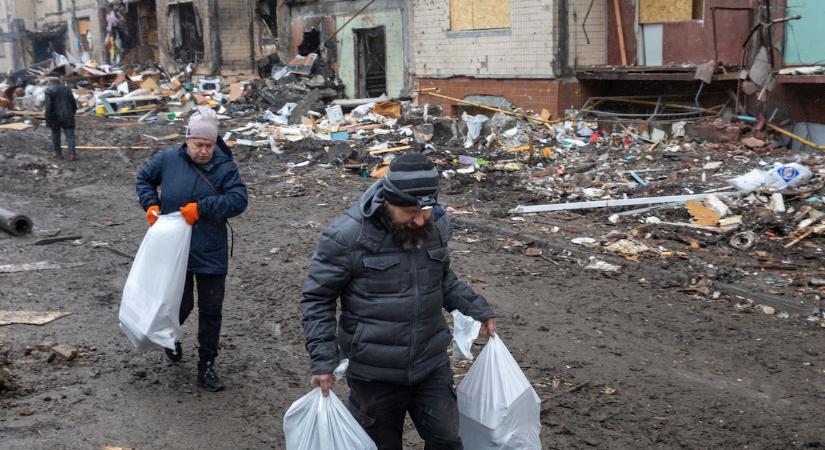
(152, 214)
(190, 213)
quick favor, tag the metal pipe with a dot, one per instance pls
(14, 223)
(429, 91)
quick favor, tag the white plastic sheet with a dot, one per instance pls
(465, 332)
(315, 422)
(498, 409)
(150, 306)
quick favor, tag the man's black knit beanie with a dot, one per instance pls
(412, 180)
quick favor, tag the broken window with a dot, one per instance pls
(84, 28)
(479, 14)
(266, 10)
(186, 33)
(142, 25)
(371, 62)
(311, 42)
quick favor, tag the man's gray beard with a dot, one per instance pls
(408, 238)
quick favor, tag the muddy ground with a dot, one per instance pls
(635, 359)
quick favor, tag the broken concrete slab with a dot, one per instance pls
(68, 352)
(752, 142)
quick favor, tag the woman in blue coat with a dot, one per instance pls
(201, 180)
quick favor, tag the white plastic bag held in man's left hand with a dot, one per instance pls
(150, 308)
(316, 422)
(498, 409)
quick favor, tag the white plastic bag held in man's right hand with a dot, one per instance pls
(498, 409)
(315, 422)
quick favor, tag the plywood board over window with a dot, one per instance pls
(479, 14)
(658, 11)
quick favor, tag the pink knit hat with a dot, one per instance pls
(203, 124)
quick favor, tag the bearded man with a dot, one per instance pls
(387, 260)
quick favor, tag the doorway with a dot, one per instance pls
(370, 62)
(186, 33)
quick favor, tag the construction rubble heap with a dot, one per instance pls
(677, 181)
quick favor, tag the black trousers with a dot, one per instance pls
(380, 408)
(210, 305)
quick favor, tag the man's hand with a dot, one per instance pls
(326, 381)
(152, 214)
(190, 213)
(488, 328)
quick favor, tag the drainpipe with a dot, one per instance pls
(251, 20)
(214, 37)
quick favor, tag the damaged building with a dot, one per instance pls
(367, 43)
(749, 57)
(506, 52)
(31, 31)
(224, 37)
(216, 37)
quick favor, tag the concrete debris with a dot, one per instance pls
(68, 352)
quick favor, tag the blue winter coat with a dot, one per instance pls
(173, 171)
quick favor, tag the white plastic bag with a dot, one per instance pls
(474, 124)
(498, 409)
(316, 422)
(150, 308)
(780, 177)
(465, 332)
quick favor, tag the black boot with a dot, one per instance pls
(174, 356)
(208, 378)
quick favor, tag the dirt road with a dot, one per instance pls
(619, 361)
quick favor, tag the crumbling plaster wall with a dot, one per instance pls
(525, 50)
(328, 15)
(392, 23)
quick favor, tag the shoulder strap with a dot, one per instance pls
(218, 192)
(200, 172)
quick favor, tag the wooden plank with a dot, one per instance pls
(617, 9)
(659, 11)
(30, 317)
(42, 265)
(491, 14)
(379, 151)
(19, 126)
(461, 15)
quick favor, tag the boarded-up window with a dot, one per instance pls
(658, 11)
(479, 14)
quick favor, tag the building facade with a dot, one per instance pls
(30, 30)
(520, 52)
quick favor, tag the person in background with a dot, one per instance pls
(201, 180)
(61, 108)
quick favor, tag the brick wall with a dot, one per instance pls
(554, 95)
(233, 26)
(526, 49)
(235, 44)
